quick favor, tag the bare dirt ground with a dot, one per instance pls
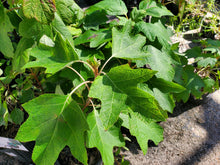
(190, 138)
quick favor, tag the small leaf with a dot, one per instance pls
(137, 15)
(103, 139)
(17, 116)
(207, 61)
(42, 11)
(209, 85)
(153, 31)
(143, 130)
(113, 7)
(154, 9)
(186, 77)
(5, 25)
(54, 121)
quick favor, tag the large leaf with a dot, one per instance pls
(42, 11)
(118, 91)
(124, 45)
(5, 25)
(154, 9)
(153, 31)
(54, 59)
(104, 140)
(159, 61)
(142, 129)
(113, 7)
(54, 121)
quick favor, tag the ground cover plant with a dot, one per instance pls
(79, 76)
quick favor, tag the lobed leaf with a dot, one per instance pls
(118, 91)
(153, 31)
(103, 139)
(54, 121)
(144, 130)
(126, 46)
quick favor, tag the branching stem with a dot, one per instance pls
(78, 75)
(86, 64)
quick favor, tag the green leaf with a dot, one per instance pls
(30, 28)
(143, 129)
(42, 11)
(17, 116)
(59, 27)
(209, 85)
(166, 86)
(22, 54)
(153, 31)
(86, 54)
(154, 9)
(95, 38)
(118, 91)
(5, 25)
(158, 61)
(186, 77)
(207, 61)
(194, 52)
(95, 18)
(137, 15)
(125, 45)
(54, 121)
(54, 59)
(4, 115)
(104, 140)
(165, 100)
(113, 7)
(69, 11)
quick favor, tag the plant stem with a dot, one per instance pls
(36, 79)
(74, 90)
(9, 10)
(86, 64)
(105, 65)
(78, 75)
